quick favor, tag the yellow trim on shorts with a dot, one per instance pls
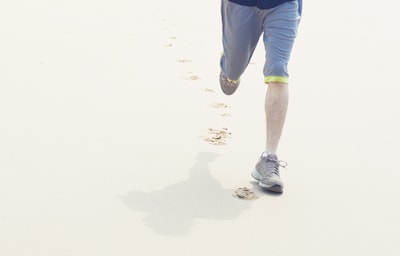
(279, 79)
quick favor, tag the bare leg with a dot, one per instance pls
(276, 104)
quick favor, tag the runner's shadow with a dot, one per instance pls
(173, 210)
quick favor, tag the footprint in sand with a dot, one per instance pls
(217, 137)
(226, 115)
(245, 194)
(219, 105)
(184, 61)
(193, 77)
(209, 90)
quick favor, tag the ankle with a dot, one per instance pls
(268, 153)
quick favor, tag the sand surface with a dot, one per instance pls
(116, 140)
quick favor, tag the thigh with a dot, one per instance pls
(242, 29)
(280, 30)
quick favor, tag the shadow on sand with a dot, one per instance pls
(173, 210)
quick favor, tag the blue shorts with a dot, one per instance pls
(242, 27)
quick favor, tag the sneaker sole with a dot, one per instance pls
(229, 90)
(274, 188)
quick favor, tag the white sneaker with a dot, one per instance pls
(267, 172)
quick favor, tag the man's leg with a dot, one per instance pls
(276, 104)
(241, 30)
(267, 167)
(280, 27)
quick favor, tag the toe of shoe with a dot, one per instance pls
(229, 90)
(228, 87)
(272, 184)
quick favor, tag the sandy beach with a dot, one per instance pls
(115, 138)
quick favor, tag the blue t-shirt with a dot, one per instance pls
(264, 4)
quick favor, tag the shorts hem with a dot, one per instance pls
(279, 79)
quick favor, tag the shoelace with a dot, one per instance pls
(274, 165)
